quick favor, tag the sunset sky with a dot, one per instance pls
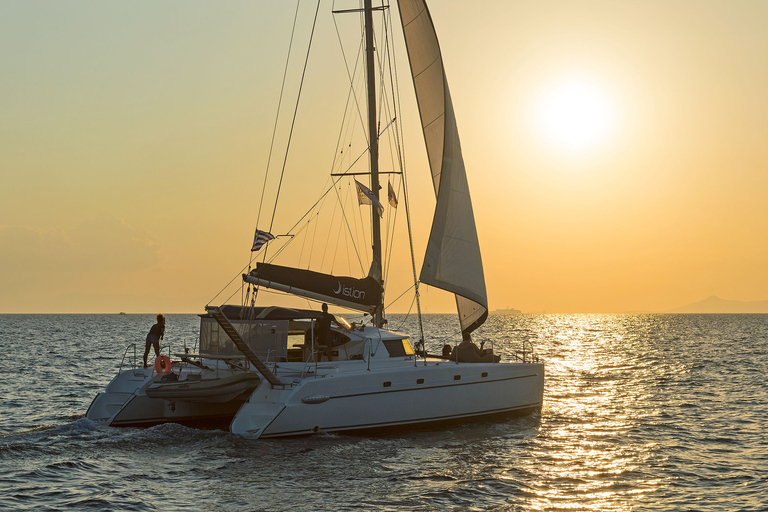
(617, 152)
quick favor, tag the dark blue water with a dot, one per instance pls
(648, 412)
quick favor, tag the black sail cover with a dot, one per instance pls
(360, 294)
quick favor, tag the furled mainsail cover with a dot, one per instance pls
(452, 260)
(360, 294)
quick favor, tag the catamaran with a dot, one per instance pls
(260, 371)
(372, 378)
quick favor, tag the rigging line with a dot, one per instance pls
(400, 296)
(392, 215)
(303, 243)
(365, 235)
(277, 114)
(383, 103)
(353, 200)
(336, 249)
(405, 319)
(388, 64)
(286, 156)
(365, 151)
(401, 154)
(348, 128)
(392, 241)
(313, 206)
(394, 106)
(273, 257)
(346, 251)
(394, 84)
(351, 76)
(227, 285)
(321, 201)
(413, 256)
(351, 236)
(293, 122)
(328, 240)
(314, 235)
(343, 129)
(279, 251)
(274, 129)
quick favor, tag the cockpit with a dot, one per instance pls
(290, 335)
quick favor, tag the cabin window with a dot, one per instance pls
(484, 374)
(267, 338)
(398, 348)
(387, 384)
(457, 377)
(419, 381)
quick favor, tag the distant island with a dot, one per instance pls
(717, 305)
(508, 311)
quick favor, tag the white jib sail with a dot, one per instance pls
(452, 261)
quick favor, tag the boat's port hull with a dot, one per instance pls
(210, 402)
(142, 411)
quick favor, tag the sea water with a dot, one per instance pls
(641, 412)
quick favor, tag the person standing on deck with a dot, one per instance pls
(324, 330)
(156, 333)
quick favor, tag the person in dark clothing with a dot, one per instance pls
(324, 330)
(156, 333)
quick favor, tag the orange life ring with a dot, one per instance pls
(163, 364)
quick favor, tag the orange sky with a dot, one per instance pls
(134, 139)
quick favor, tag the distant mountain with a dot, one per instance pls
(717, 305)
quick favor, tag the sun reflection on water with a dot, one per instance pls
(586, 456)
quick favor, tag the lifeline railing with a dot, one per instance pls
(134, 360)
(527, 354)
(125, 353)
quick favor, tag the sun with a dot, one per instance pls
(575, 115)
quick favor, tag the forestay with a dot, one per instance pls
(452, 261)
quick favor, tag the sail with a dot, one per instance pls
(452, 261)
(360, 294)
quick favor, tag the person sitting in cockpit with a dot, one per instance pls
(468, 352)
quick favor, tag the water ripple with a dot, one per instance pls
(642, 412)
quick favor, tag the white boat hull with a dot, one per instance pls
(362, 400)
(125, 403)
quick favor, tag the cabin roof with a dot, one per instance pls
(264, 313)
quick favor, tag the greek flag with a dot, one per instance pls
(365, 196)
(260, 238)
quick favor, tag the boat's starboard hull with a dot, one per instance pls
(393, 399)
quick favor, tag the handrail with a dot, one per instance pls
(527, 354)
(368, 344)
(274, 364)
(133, 363)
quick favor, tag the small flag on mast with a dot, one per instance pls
(261, 238)
(365, 196)
(392, 196)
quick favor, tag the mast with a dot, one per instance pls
(373, 137)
